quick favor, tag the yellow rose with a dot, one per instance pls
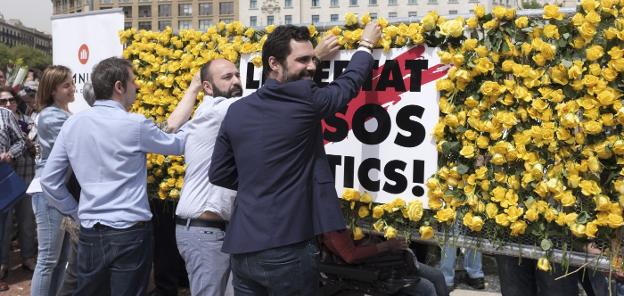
(551, 12)
(468, 151)
(615, 220)
(472, 22)
(522, 22)
(452, 28)
(568, 199)
(445, 215)
(358, 234)
(470, 44)
(350, 19)
(350, 194)
(531, 215)
(502, 220)
(543, 264)
(366, 18)
(482, 51)
(379, 225)
(378, 211)
(426, 232)
(363, 211)
(551, 31)
(591, 229)
(578, 229)
(499, 12)
(479, 11)
(390, 232)
(592, 127)
(415, 210)
(429, 21)
(366, 198)
(491, 209)
(594, 52)
(518, 228)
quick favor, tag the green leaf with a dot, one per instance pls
(462, 168)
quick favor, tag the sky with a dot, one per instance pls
(32, 13)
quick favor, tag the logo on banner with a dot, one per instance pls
(382, 141)
(83, 54)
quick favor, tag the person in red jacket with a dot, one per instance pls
(342, 244)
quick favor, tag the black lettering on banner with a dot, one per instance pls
(349, 172)
(415, 128)
(419, 178)
(251, 83)
(393, 171)
(391, 69)
(367, 165)
(321, 74)
(416, 67)
(363, 114)
(339, 66)
(368, 82)
(338, 124)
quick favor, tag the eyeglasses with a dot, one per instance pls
(7, 100)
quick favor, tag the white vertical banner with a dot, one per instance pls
(82, 40)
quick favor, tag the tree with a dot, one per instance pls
(32, 57)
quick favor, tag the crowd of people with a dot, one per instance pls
(258, 201)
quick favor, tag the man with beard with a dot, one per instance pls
(267, 150)
(204, 209)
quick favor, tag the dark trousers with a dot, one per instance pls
(524, 279)
(118, 258)
(284, 271)
(169, 268)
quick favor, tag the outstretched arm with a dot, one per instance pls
(183, 111)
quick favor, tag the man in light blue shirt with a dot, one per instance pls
(106, 147)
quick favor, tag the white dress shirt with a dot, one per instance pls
(198, 194)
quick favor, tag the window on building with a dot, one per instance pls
(127, 25)
(226, 20)
(147, 25)
(145, 0)
(392, 2)
(287, 3)
(334, 3)
(184, 25)
(451, 12)
(392, 14)
(412, 2)
(145, 11)
(164, 10)
(253, 4)
(316, 3)
(205, 8)
(333, 17)
(270, 20)
(315, 18)
(453, 2)
(226, 8)
(162, 25)
(432, 2)
(204, 25)
(288, 19)
(127, 11)
(373, 15)
(412, 14)
(353, 2)
(185, 9)
(372, 2)
(253, 21)
(106, 1)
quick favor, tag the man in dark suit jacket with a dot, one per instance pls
(266, 149)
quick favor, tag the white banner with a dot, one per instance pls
(82, 40)
(382, 142)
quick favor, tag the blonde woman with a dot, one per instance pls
(55, 92)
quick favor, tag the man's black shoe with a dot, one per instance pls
(477, 283)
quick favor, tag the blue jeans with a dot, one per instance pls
(284, 271)
(522, 278)
(472, 264)
(117, 258)
(53, 248)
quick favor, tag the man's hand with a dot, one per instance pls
(196, 84)
(393, 245)
(371, 33)
(6, 157)
(327, 47)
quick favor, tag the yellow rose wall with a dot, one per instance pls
(530, 135)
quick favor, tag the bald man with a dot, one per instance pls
(204, 209)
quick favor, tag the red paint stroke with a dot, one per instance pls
(390, 95)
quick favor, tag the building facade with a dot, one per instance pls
(13, 32)
(158, 14)
(322, 12)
